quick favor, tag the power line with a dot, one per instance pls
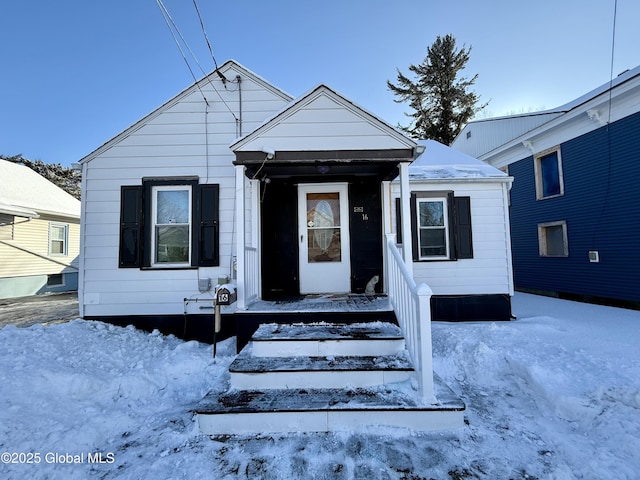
(167, 18)
(195, 4)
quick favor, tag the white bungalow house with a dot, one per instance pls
(39, 234)
(235, 184)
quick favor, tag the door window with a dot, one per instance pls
(323, 227)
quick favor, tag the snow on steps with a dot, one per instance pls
(298, 378)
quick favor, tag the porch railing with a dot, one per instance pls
(412, 306)
(252, 274)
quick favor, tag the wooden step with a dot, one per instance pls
(364, 339)
(247, 412)
(250, 372)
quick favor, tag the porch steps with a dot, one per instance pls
(298, 378)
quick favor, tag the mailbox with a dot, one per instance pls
(225, 297)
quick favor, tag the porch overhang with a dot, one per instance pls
(332, 164)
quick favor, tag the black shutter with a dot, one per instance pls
(399, 221)
(131, 216)
(415, 244)
(463, 236)
(206, 247)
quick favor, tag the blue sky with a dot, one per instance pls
(77, 72)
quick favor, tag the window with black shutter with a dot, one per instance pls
(440, 226)
(169, 223)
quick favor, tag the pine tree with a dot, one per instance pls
(441, 101)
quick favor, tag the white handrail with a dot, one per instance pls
(412, 306)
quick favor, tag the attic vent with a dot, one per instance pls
(469, 134)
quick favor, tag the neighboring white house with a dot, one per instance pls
(39, 234)
(460, 234)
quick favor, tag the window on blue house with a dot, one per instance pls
(548, 172)
(553, 240)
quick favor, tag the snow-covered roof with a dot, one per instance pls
(24, 192)
(441, 162)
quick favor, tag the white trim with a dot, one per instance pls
(405, 207)
(65, 240)
(240, 238)
(537, 168)
(445, 226)
(542, 239)
(154, 210)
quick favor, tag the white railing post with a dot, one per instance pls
(424, 294)
(241, 274)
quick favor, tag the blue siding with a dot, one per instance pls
(601, 208)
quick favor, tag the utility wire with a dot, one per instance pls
(167, 18)
(195, 4)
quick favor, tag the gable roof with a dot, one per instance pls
(441, 162)
(344, 126)
(224, 69)
(25, 193)
(487, 138)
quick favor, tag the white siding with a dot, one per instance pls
(337, 125)
(173, 142)
(489, 271)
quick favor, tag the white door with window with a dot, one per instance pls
(323, 228)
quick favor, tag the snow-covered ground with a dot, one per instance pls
(554, 394)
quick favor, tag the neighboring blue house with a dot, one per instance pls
(574, 202)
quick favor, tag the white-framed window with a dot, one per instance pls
(171, 225)
(553, 239)
(433, 228)
(58, 239)
(548, 173)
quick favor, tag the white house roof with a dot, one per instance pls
(487, 138)
(441, 162)
(25, 193)
(323, 119)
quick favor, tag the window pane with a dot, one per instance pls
(323, 227)
(57, 233)
(431, 214)
(555, 240)
(550, 175)
(57, 247)
(432, 242)
(172, 244)
(172, 206)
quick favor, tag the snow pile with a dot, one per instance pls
(554, 394)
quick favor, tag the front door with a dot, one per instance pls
(323, 228)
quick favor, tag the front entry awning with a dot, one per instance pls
(329, 165)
